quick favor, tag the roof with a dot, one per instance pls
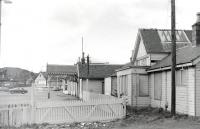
(183, 55)
(44, 74)
(97, 71)
(159, 40)
(61, 69)
(131, 65)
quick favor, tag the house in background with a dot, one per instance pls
(41, 80)
(59, 77)
(146, 80)
(92, 79)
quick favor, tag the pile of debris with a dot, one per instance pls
(93, 125)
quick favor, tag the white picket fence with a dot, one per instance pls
(101, 108)
(15, 114)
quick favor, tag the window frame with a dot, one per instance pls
(155, 97)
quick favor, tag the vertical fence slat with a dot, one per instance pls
(98, 107)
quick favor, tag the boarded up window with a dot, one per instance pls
(157, 86)
(181, 77)
(114, 86)
(143, 85)
(125, 84)
(123, 81)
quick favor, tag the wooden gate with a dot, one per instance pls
(79, 111)
(15, 114)
(105, 109)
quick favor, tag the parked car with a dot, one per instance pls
(56, 89)
(3, 88)
(18, 90)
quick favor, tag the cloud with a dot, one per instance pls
(35, 32)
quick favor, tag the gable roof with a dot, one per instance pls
(131, 65)
(97, 71)
(183, 55)
(61, 69)
(44, 74)
(156, 41)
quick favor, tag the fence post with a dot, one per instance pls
(124, 107)
(33, 104)
(8, 119)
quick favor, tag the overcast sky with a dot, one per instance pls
(37, 32)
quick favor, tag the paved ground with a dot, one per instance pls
(39, 95)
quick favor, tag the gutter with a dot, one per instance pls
(169, 67)
(129, 67)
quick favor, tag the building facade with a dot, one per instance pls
(146, 80)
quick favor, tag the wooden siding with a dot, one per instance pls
(141, 50)
(133, 87)
(185, 98)
(93, 86)
(191, 93)
(129, 89)
(197, 87)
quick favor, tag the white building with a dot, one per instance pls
(41, 80)
(146, 80)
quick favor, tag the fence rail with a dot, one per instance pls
(100, 108)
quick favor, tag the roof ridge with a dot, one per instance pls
(163, 29)
(58, 65)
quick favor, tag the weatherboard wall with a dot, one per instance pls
(185, 96)
(197, 89)
(95, 86)
(133, 96)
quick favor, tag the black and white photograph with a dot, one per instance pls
(99, 64)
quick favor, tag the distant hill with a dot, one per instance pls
(17, 74)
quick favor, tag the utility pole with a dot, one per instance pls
(83, 57)
(173, 52)
(87, 80)
(88, 65)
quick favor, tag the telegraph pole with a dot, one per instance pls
(83, 57)
(173, 53)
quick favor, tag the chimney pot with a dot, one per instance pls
(198, 17)
(196, 31)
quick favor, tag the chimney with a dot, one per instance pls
(196, 32)
(83, 58)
